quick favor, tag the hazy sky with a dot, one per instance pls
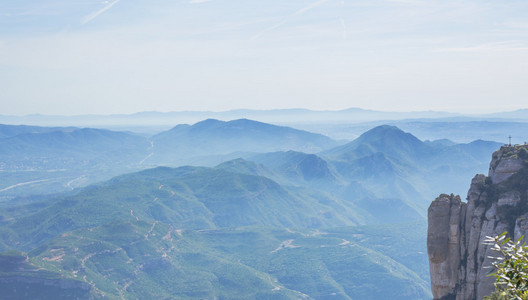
(124, 56)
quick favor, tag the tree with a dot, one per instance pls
(497, 296)
(511, 268)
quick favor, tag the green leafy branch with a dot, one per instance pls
(511, 268)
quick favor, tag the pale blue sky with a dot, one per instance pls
(74, 57)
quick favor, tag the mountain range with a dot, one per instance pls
(272, 212)
(214, 137)
(154, 118)
(58, 159)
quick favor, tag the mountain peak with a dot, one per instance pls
(215, 137)
(507, 161)
(388, 136)
(383, 130)
(207, 123)
(386, 139)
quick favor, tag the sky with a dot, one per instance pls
(68, 57)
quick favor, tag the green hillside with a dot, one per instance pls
(22, 279)
(187, 197)
(135, 259)
(195, 233)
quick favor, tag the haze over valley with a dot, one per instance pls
(209, 149)
(229, 209)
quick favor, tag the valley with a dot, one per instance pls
(230, 210)
(260, 150)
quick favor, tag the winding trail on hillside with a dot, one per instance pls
(69, 183)
(285, 244)
(144, 159)
(151, 153)
(275, 286)
(22, 183)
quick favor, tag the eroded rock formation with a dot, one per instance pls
(459, 259)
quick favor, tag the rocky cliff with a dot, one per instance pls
(458, 257)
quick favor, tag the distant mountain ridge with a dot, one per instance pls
(7, 131)
(385, 159)
(385, 138)
(82, 140)
(166, 119)
(96, 152)
(384, 151)
(213, 137)
(169, 118)
(58, 159)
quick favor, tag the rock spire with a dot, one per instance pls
(459, 260)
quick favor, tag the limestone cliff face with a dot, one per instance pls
(458, 257)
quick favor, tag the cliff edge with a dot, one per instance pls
(459, 260)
